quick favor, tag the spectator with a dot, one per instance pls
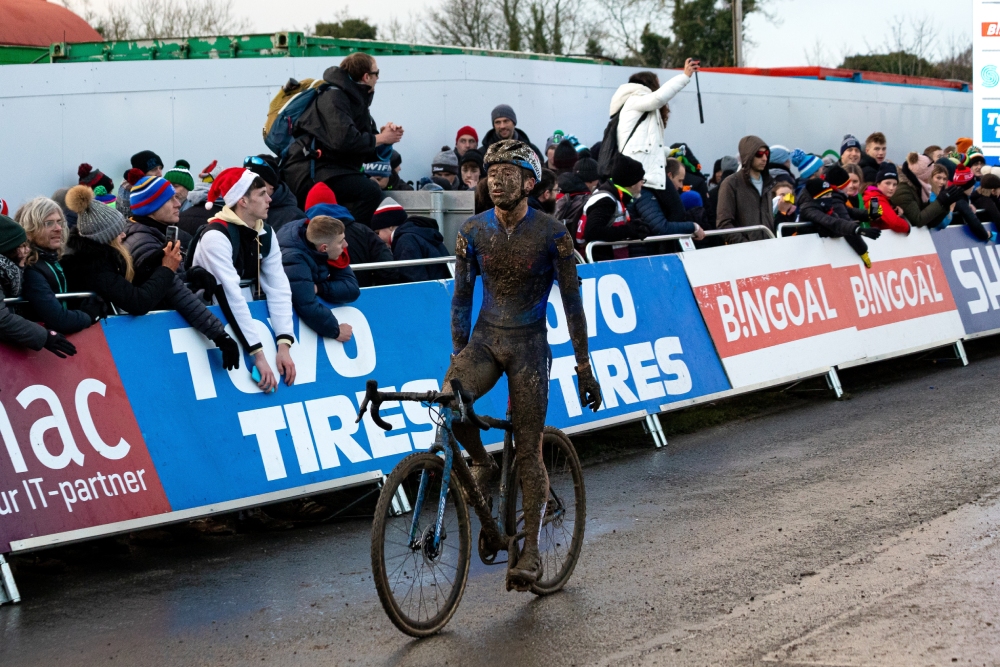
(423, 241)
(783, 204)
(853, 191)
(284, 207)
(337, 135)
(716, 178)
(829, 158)
(444, 169)
(102, 195)
(642, 109)
(92, 178)
(975, 160)
(729, 165)
(564, 157)
(543, 196)
(745, 197)
(363, 245)
(237, 244)
(396, 183)
(129, 178)
(963, 182)
(874, 155)
(14, 329)
(807, 164)
(939, 183)
(101, 263)
(675, 174)
(933, 152)
(46, 229)
(314, 254)
(573, 195)
(505, 127)
(850, 150)
(483, 200)
(694, 207)
(693, 178)
(466, 139)
(912, 194)
(606, 214)
(781, 158)
(822, 204)
(155, 206)
(984, 199)
(183, 182)
(380, 172)
(887, 216)
(550, 150)
(948, 164)
(586, 169)
(963, 144)
(148, 162)
(471, 168)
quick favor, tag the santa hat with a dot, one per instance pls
(230, 185)
(320, 194)
(3, 207)
(206, 174)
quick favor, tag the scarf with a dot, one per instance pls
(921, 171)
(341, 262)
(10, 278)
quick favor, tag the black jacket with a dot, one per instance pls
(16, 330)
(491, 138)
(419, 238)
(831, 217)
(42, 281)
(145, 240)
(601, 215)
(307, 269)
(869, 166)
(986, 208)
(197, 216)
(343, 130)
(284, 208)
(569, 206)
(99, 268)
(398, 184)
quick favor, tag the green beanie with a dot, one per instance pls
(11, 235)
(180, 176)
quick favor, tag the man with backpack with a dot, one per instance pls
(238, 245)
(335, 135)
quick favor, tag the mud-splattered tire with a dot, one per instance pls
(561, 538)
(420, 591)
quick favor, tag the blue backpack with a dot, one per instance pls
(287, 106)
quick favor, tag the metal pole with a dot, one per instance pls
(738, 32)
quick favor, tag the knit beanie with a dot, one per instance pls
(806, 163)
(947, 164)
(887, 171)
(963, 144)
(92, 177)
(12, 234)
(849, 141)
(230, 185)
(474, 156)
(264, 166)
(466, 130)
(146, 161)
(780, 154)
(627, 171)
(445, 161)
(921, 168)
(963, 176)
(586, 169)
(388, 214)
(503, 111)
(182, 164)
(691, 199)
(103, 196)
(990, 182)
(94, 220)
(565, 155)
(729, 163)
(180, 176)
(320, 194)
(837, 177)
(377, 169)
(817, 187)
(974, 154)
(149, 194)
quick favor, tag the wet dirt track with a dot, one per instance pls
(859, 532)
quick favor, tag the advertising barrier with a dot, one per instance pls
(973, 273)
(144, 426)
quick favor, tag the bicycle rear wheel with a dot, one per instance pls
(419, 585)
(561, 538)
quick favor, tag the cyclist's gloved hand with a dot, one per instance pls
(58, 345)
(590, 391)
(230, 351)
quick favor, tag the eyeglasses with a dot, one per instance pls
(374, 74)
(763, 152)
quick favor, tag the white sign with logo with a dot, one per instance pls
(986, 78)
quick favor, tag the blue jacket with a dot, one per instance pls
(647, 207)
(308, 270)
(419, 238)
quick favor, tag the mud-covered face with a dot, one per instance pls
(508, 185)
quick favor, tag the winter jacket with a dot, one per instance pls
(869, 167)
(907, 197)
(646, 145)
(830, 217)
(284, 208)
(491, 138)
(99, 268)
(964, 213)
(42, 281)
(145, 240)
(397, 184)
(309, 270)
(986, 208)
(888, 218)
(739, 204)
(344, 133)
(573, 195)
(197, 216)
(16, 330)
(363, 245)
(647, 207)
(419, 238)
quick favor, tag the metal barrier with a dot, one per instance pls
(589, 250)
(741, 230)
(68, 295)
(786, 225)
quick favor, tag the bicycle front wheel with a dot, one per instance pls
(561, 538)
(419, 583)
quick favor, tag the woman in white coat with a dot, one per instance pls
(643, 106)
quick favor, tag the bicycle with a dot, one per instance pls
(421, 536)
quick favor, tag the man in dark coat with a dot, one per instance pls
(314, 254)
(284, 206)
(505, 127)
(745, 197)
(336, 135)
(411, 238)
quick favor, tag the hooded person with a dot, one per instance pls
(913, 194)
(823, 204)
(284, 206)
(411, 237)
(744, 198)
(93, 177)
(878, 200)
(504, 126)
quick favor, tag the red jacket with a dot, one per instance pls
(889, 218)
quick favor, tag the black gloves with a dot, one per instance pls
(95, 307)
(230, 350)
(57, 344)
(870, 232)
(951, 195)
(199, 278)
(590, 391)
(640, 229)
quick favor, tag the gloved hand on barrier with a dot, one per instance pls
(95, 307)
(590, 390)
(58, 345)
(870, 232)
(640, 229)
(198, 279)
(230, 351)
(951, 195)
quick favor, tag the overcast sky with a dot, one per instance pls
(804, 27)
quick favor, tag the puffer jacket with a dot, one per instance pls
(145, 240)
(419, 238)
(830, 217)
(647, 207)
(907, 197)
(42, 281)
(739, 204)
(99, 268)
(308, 271)
(363, 245)
(646, 145)
(284, 208)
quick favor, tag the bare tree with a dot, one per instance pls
(474, 23)
(625, 20)
(157, 19)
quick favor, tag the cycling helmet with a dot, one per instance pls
(517, 153)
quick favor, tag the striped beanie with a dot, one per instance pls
(388, 214)
(180, 176)
(149, 194)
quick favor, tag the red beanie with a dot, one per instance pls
(963, 176)
(320, 194)
(467, 130)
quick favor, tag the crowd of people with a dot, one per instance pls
(289, 228)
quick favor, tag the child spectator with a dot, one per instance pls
(939, 183)
(853, 191)
(694, 207)
(822, 204)
(975, 160)
(850, 150)
(314, 254)
(914, 190)
(396, 182)
(573, 195)
(411, 237)
(874, 156)
(466, 139)
(783, 204)
(44, 277)
(887, 216)
(606, 214)
(471, 168)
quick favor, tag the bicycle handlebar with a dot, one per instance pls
(374, 399)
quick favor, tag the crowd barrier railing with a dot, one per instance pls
(789, 225)
(589, 248)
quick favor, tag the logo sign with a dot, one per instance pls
(991, 126)
(990, 76)
(991, 29)
(973, 271)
